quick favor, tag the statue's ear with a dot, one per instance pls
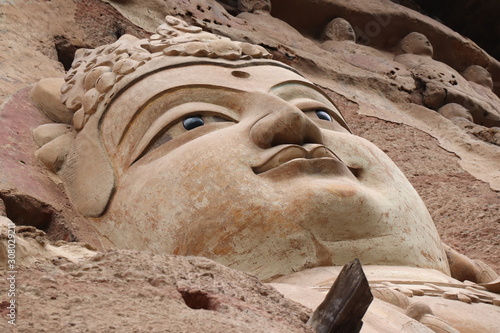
(53, 139)
(87, 174)
(80, 160)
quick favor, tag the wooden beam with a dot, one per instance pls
(345, 304)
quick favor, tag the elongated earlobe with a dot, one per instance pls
(88, 176)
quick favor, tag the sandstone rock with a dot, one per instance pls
(437, 325)
(417, 310)
(392, 296)
(195, 294)
(2, 208)
(390, 19)
(453, 110)
(254, 6)
(463, 268)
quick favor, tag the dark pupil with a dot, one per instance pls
(323, 115)
(193, 122)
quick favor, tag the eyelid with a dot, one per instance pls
(306, 104)
(174, 116)
(311, 105)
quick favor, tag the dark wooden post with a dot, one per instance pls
(345, 304)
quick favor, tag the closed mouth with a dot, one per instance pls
(295, 152)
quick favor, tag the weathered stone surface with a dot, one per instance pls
(382, 24)
(2, 208)
(53, 154)
(480, 24)
(478, 75)
(453, 110)
(435, 302)
(338, 29)
(138, 291)
(204, 12)
(25, 180)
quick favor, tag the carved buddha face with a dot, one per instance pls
(339, 29)
(193, 144)
(253, 166)
(252, 6)
(417, 43)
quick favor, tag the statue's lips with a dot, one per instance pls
(312, 159)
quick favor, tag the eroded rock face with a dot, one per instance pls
(393, 81)
(138, 290)
(442, 85)
(453, 110)
(450, 13)
(413, 301)
(361, 58)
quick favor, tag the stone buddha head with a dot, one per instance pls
(254, 6)
(416, 43)
(338, 29)
(192, 144)
(479, 75)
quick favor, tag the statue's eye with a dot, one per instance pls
(323, 115)
(182, 121)
(193, 122)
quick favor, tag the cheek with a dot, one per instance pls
(166, 191)
(378, 173)
(374, 168)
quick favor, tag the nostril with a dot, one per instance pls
(357, 172)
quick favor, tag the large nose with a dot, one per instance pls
(284, 124)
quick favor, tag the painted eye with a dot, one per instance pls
(193, 122)
(323, 115)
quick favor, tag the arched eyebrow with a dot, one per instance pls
(290, 90)
(178, 95)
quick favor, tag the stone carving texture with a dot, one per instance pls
(339, 29)
(442, 84)
(251, 6)
(416, 43)
(95, 72)
(479, 75)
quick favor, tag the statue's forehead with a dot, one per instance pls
(252, 78)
